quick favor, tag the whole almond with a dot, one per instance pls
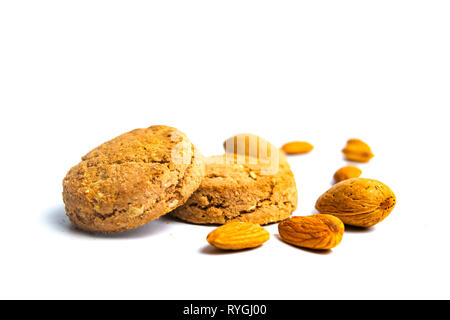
(249, 145)
(357, 150)
(358, 202)
(320, 231)
(238, 236)
(347, 172)
(297, 147)
(255, 150)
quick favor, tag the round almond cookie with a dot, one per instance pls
(132, 179)
(240, 188)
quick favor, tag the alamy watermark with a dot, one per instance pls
(240, 150)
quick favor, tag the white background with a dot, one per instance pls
(74, 74)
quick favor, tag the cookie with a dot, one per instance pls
(240, 188)
(132, 179)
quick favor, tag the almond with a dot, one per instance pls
(320, 231)
(297, 147)
(347, 172)
(255, 150)
(238, 236)
(358, 202)
(357, 150)
(249, 145)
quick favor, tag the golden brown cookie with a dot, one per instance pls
(241, 190)
(132, 179)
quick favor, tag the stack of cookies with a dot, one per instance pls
(146, 173)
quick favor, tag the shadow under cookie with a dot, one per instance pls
(58, 221)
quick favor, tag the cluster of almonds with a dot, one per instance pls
(351, 201)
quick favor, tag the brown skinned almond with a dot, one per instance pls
(249, 145)
(255, 149)
(347, 172)
(357, 150)
(297, 147)
(320, 231)
(358, 202)
(238, 236)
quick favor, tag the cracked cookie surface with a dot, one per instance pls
(132, 179)
(241, 191)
